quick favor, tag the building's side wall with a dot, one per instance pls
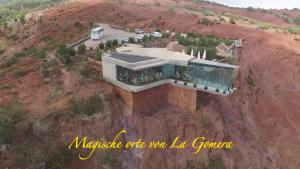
(125, 96)
(109, 71)
(165, 95)
(182, 97)
(150, 99)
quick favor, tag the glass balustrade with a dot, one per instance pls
(219, 78)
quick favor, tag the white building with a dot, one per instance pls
(135, 68)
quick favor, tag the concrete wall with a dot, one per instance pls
(182, 97)
(109, 71)
(125, 96)
(165, 95)
(147, 100)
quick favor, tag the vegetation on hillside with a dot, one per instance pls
(200, 43)
(16, 9)
(10, 116)
(65, 54)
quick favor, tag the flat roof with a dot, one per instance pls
(129, 58)
(212, 63)
(137, 57)
(159, 53)
(98, 29)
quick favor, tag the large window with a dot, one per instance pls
(213, 76)
(143, 77)
(216, 77)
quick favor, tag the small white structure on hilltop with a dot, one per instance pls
(97, 33)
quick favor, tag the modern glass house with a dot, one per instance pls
(135, 69)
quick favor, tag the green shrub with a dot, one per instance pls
(22, 19)
(101, 45)
(5, 86)
(51, 63)
(84, 71)
(151, 38)
(65, 54)
(250, 80)
(231, 60)
(81, 49)
(189, 50)
(205, 21)
(28, 156)
(131, 40)
(191, 35)
(55, 93)
(297, 21)
(184, 41)
(108, 44)
(77, 24)
(76, 105)
(165, 35)
(264, 26)
(293, 29)
(93, 105)
(145, 38)
(207, 12)
(88, 107)
(216, 163)
(9, 62)
(98, 54)
(10, 115)
(60, 158)
(115, 42)
(41, 53)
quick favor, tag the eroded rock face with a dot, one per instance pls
(168, 123)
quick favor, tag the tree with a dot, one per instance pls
(145, 38)
(98, 54)
(77, 24)
(115, 42)
(165, 35)
(108, 44)
(101, 45)
(22, 19)
(189, 50)
(131, 40)
(65, 54)
(183, 41)
(81, 49)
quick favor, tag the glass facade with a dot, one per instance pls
(220, 78)
(141, 77)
